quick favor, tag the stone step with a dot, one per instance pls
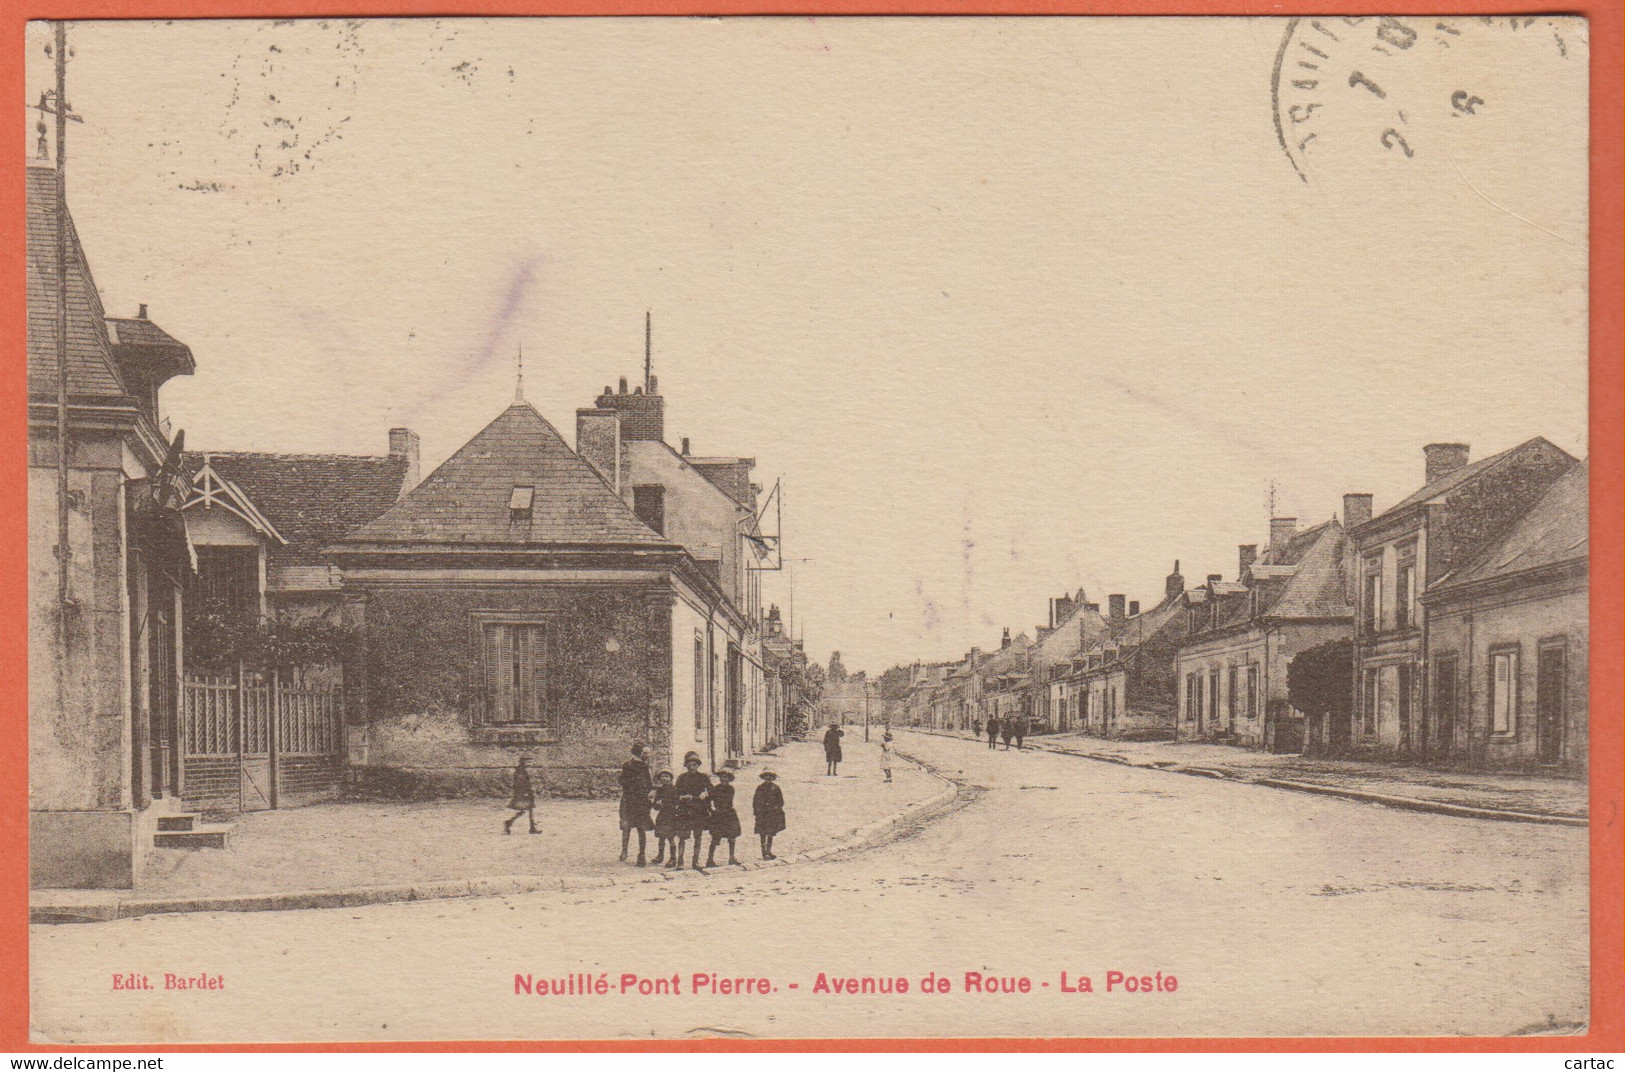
(211, 836)
(174, 823)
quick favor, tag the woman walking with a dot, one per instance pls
(693, 807)
(768, 807)
(724, 821)
(832, 748)
(523, 798)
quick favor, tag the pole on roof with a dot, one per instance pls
(64, 550)
(648, 353)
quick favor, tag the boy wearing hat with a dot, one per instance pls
(636, 787)
(724, 822)
(693, 807)
(768, 807)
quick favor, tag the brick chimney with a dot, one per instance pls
(1246, 554)
(1213, 579)
(1174, 587)
(403, 443)
(643, 412)
(1356, 509)
(598, 441)
(1118, 607)
(1133, 608)
(1282, 530)
(1005, 643)
(1444, 459)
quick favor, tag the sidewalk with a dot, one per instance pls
(365, 852)
(1529, 798)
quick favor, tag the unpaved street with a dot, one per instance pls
(1277, 913)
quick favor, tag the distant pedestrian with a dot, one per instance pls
(768, 807)
(976, 729)
(1007, 730)
(724, 820)
(636, 787)
(523, 798)
(665, 805)
(832, 748)
(1020, 731)
(992, 733)
(886, 755)
(693, 807)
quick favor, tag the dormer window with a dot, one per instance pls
(519, 503)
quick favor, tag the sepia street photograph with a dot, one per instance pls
(783, 528)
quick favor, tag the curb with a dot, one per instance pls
(1460, 811)
(862, 837)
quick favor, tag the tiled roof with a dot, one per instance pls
(1556, 528)
(1456, 478)
(1319, 587)
(91, 368)
(312, 499)
(465, 501)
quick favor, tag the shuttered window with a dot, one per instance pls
(516, 674)
(1503, 691)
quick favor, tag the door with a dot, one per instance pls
(733, 704)
(1551, 687)
(1406, 741)
(1443, 707)
(254, 699)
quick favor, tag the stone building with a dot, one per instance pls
(1232, 666)
(1507, 642)
(1461, 508)
(107, 567)
(1123, 682)
(1074, 625)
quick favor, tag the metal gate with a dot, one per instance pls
(251, 742)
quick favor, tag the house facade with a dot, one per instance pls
(1507, 643)
(1074, 624)
(1231, 670)
(107, 566)
(1397, 556)
(1122, 684)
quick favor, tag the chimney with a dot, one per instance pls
(685, 446)
(403, 443)
(1356, 509)
(1444, 459)
(1174, 587)
(1134, 608)
(142, 315)
(1116, 603)
(1214, 578)
(1005, 643)
(1247, 555)
(1092, 608)
(623, 385)
(598, 441)
(1281, 530)
(643, 412)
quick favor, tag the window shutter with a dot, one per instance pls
(502, 698)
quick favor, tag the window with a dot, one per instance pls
(649, 503)
(1213, 696)
(1405, 588)
(1369, 700)
(520, 501)
(516, 677)
(1371, 605)
(1504, 691)
(228, 579)
(1444, 700)
(1406, 675)
(1230, 695)
(1252, 691)
(699, 684)
(1193, 696)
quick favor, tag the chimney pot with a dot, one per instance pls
(623, 385)
(1214, 578)
(1444, 459)
(1005, 642)
(1174, 587)
(685, 446)
(1133, 608)
(142, 315)
(1356, 509)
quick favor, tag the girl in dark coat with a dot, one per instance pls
(724, 820)
(832, 748)
(523, 798)
(768, 807)
(635, 789)
(665, 805)
(693, 808)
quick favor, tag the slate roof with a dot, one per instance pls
(1555, 529)
(312, 499)
(91, 368)
(1319, 588)
(1456, 478)
(465, 501)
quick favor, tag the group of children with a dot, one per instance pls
(690, 806)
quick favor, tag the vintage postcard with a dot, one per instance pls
(809, 528)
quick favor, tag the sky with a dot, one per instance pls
(1010, 306)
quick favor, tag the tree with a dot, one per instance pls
(1320, 683)
(836, 672)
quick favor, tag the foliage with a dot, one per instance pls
(219, 639)
(837, 671)
(1321, 679)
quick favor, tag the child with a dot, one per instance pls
(664, 798)
(885, 755)
(768, 806)
(523, 798)
(635, 790)
(724, 821)
(693, 807)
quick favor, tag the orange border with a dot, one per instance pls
(1607, 1032)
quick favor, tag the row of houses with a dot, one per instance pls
(1463, 609)
(214, 631)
